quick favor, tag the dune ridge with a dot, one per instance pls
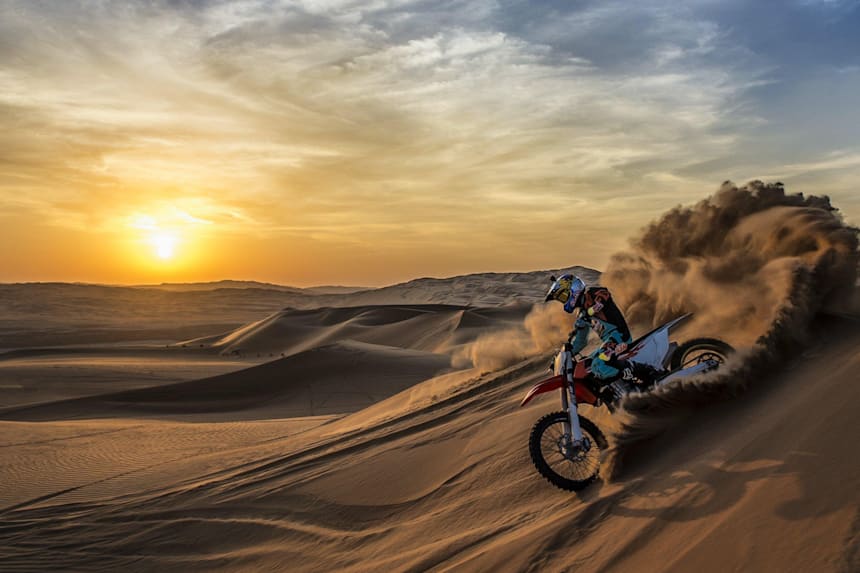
(431, 328)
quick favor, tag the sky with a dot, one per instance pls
(366, 143)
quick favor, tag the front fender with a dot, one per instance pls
(547, 385)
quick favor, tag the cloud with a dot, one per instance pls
(383, 123)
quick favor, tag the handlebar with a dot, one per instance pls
(578, 357)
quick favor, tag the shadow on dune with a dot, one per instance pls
(706, 491)
(333, 379)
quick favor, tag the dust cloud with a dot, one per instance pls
(754, 264)
(544, 327)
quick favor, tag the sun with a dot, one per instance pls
(164, 239)
(164, 244)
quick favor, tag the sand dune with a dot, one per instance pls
(447, 485)
(431, 328)
(34, 376)
(336, 378)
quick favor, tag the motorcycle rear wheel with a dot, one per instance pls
(572, 471)
(699, 349)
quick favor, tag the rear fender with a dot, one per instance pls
(547, 385)
(654, 347)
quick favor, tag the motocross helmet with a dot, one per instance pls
(566, 289)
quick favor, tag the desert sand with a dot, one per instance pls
(369, 435)
(436, 477)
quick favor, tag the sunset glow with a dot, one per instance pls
(312, 143)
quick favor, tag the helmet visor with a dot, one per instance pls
(562, 294)
(560, 290)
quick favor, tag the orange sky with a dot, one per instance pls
(330, 143)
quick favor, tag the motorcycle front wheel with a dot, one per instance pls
(555, 457)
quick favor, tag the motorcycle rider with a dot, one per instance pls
(599, 312)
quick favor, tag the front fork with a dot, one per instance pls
(564, 366)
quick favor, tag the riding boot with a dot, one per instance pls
(645, 374)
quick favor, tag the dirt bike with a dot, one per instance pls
(565, 446)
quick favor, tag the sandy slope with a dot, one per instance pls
(35, 376)
(430, 328)
(331, 379)
(440, 480)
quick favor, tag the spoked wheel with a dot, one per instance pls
(700, 350)
(564, 464)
